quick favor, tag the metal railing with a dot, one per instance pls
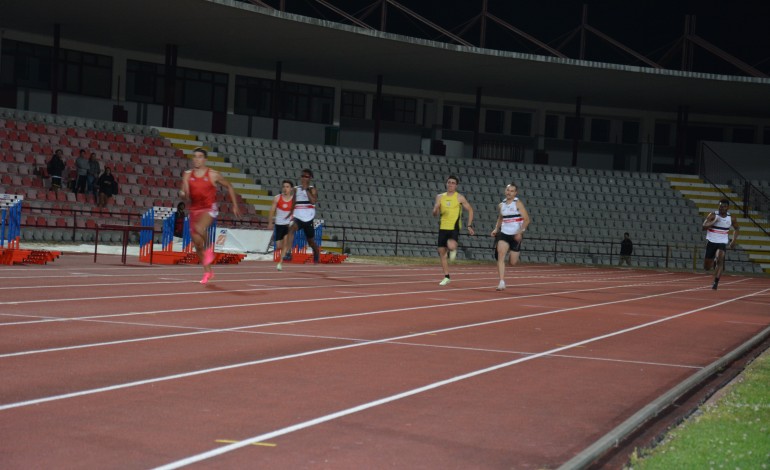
(399, 242)
(717, 171)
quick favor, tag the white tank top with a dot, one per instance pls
(718, 233)
(304, 210)
(512, 219)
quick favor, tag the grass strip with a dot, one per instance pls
(730, 432)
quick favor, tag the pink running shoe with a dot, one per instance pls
(208, 257)
(207, 277)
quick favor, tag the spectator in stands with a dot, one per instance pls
(94, 170)
(82, 166)
(717, 226)
(179, 220)
(55, 168)
(449, 206)
(626, 250)
(199, 185)
(280, 216)
(303, 215)
(512, 222)
(108, 187)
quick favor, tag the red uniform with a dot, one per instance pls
(203, 197)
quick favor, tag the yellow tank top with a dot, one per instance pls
(451, 212)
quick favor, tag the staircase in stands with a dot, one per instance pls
(706, 198)
(244, 185)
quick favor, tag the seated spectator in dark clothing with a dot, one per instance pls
(179, 220)
(55, 168)
(108, 187)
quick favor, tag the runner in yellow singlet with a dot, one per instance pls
(449, 206)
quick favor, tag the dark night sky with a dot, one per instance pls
(651, 27)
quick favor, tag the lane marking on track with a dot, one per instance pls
(385, 400)
(195, 373)
(195, 275)
(49, 319)
(746, 323)
(230, 441)
(239, 329)
(564, 356)
(271, 288)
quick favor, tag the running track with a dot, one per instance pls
(344, 366)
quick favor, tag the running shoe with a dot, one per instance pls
(501, 286)
(208, 257)
(279, 266)
(452, 255)
(715, 285)
(287, 257)
(316, 257)
(444, 282)
(207, 277)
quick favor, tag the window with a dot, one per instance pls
(83, 73)
(353, 105)
(630, 132)
(600, 130)
(467, 119)
(195, 89)
(310, 103)
(552, 126)
(743, 135)
(663, 134)
(145, 82)
(253, 96)
(449, 113)
(494, 121)
(521, 123)
(573, 128)
(31, 65)
(200, 89)
(398, 109)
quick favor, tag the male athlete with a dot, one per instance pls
(512, 221)
(717, 226)
(199, 185)
(280, 215)
(449, 207)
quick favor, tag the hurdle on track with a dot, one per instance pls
(299, 247)
(10, 235)
(167, 255)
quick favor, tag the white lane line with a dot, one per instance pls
(347, 275)
(201, 330)
(319, 299)
(137, 383)
(382, 401)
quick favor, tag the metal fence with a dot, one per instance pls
(398, 242)
(716, 171)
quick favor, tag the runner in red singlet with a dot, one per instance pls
(199, 186)
(280, 216)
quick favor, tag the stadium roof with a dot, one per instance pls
(228, 32)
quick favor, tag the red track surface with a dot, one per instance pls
(344, 366)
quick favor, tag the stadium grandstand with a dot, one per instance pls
(598, 148)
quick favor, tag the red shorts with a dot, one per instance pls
(196, 214)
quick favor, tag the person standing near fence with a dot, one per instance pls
(448, 207)
(626, 249)
(199, 185)
(305, 199)
(512, 222)
(717, 226)
(280, 216)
